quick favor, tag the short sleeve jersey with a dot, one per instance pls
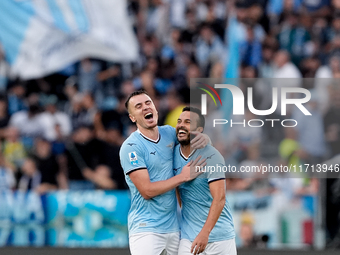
(196, 197)
(158, 214)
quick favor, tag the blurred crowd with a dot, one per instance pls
(64, 131)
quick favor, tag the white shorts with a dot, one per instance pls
(227, 247)
(154, 244)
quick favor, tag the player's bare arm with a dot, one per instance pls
(217, 190)
(148, 189)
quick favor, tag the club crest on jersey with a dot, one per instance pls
(133, 158)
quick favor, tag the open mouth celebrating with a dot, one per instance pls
(148, 116)
(182, 132)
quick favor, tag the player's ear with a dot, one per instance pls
(132, 118)
(199, 129)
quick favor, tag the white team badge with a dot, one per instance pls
(133, 158)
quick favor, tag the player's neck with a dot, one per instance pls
(186, 150)
(151, 133)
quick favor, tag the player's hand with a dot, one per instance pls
(200, 140)
(200, 243)
(190, 170)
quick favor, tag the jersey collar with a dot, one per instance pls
(149, 139)
(182, 155)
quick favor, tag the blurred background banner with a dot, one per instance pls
(21, 219)
(273, 221)
(51, 34)
(88, 219)
(65, 219)
(99, 219)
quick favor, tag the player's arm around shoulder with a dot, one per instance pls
(199, 141)
(133, 161)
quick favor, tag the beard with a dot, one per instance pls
(185, 142)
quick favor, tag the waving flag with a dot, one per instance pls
(232, 66)
(43, 36)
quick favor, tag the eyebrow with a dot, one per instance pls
(141, 103)
(137, 104)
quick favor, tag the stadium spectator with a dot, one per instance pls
(4, 117)
(13, 149)
(31, 180)
(30, 124)
(110, 81)
(87, 75)
(70, 90)
(241, 139)
(47, 164)
(55, 118)
(4, 72)
(7, 179)
(175, 106)
(294, 37)
(247, 230)
(310, 133)
(82, 155)
(209, 48)
(75, 111)
(324, 80)
(284, 67)
(332, 122)
(115, 116)
(250, 48)
(110, 154)
(16, 94)
(90, 109)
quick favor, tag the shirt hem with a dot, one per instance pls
(154, 232)
(213, 240)
(135, 169)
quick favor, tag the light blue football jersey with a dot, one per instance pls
(196, 197)
(158, 214)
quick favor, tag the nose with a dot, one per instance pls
(146, 107)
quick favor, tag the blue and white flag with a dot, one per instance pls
(232, 66)
(40, 37)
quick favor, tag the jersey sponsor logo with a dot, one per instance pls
(176, 169)
(153, 153)
(210, 156)
(170, 145)
(133, 158)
